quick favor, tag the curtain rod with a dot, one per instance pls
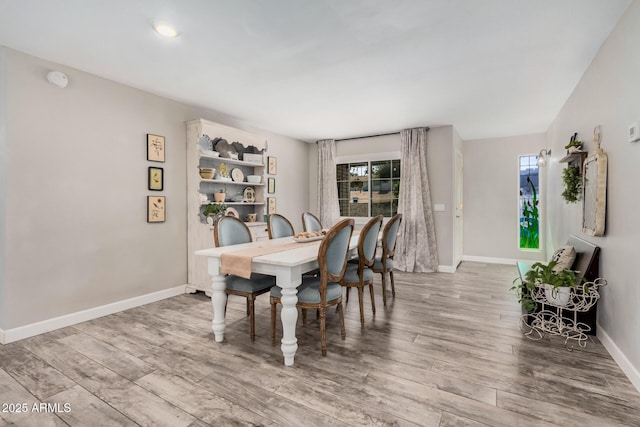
(371, 136)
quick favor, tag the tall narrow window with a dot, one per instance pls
(529, 203)
(368, 188)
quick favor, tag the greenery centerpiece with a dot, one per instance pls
(547, 276)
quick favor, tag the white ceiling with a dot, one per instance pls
(314, 69)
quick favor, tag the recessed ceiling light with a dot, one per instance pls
(165, 30)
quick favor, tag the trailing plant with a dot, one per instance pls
(529, 238)
(540, 274)
(572, 184)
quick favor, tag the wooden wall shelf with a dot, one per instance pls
(577, 157)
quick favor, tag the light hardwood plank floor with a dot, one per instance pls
(446, 351)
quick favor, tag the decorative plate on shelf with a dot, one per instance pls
(204, 143)
(239, 149)
(237, 175)
(249, 195)
(225, 149)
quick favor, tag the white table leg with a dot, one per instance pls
(289, 279)
(289, 316)
(218, 299)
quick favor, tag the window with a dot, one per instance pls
(368, 188)
(529, 203)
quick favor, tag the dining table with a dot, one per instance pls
(286, 262)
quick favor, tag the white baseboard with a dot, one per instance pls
(446, 269)
(627, 367)
(489, 260)
(21, 332)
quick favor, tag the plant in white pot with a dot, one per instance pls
(557, 284)
(214, 210)
(220, 196)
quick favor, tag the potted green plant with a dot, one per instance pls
(556, 284)
(573, 146)
(214, 209)
(220, 196)
(572, 184)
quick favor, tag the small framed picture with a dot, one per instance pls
(156, 179)
(155, 148)
(271, 185)
(271, 205)
(156, 209)
(272, 165)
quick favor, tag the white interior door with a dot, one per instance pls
(458, 220)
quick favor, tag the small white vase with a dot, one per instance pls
(559, 296)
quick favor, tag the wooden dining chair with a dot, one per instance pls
(384, 263)
(228, 231)
(324, 291)
(358, 275)
(310, 222)
(279, 226)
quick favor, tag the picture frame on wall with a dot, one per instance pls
(272, 165)
(155, 148)
(271, 185)
(156, 179)
(271, 205)
(156, 209)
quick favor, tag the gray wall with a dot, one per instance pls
(491, 196)
(76, 228)
(3, 189)
(440, 148)
(292, 179)
(608, 95)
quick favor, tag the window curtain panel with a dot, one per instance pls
(416, 249)
(327, 183)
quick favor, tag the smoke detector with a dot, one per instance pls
(58, 78)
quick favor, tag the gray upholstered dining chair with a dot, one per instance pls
(279, 226)
(229, 230)
(358, 273)
(318, 293)
(310, 222)
(384, 263)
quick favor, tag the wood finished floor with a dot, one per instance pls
(445, 352)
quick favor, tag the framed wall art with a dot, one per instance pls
(155, 148)
(156, 179)
(271, 205)
(156, 208)
(271, 185)
(272, 165)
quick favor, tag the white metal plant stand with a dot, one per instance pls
(562, 319)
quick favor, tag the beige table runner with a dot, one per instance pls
(239, 263)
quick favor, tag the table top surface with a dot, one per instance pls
(305, 253)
